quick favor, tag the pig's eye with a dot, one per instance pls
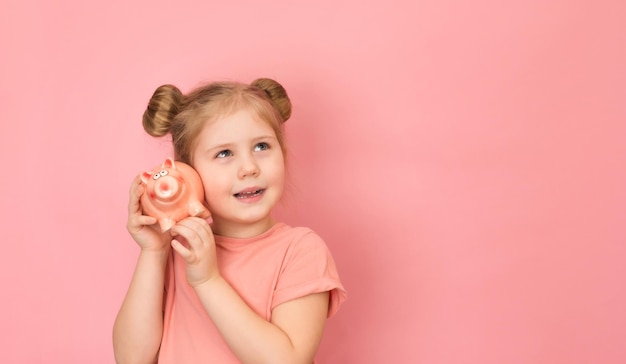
(156, 176)
(163, 173)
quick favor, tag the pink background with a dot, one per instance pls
(464, 161)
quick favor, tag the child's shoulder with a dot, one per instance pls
(299, 238)
(296, 233)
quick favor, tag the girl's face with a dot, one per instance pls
(242, 169)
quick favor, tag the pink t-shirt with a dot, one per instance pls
(280, 265)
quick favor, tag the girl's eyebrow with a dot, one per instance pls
(264, 137)
(220, 146)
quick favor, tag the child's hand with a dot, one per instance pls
(144, 229)
(194, 241)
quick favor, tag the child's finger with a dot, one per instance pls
(201, 226)
(145, 220)
(191, 237)
(134, 196)
(179, 248)
(196, 235)
(185, 233)
(137, 222)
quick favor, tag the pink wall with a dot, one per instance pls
(464, 161)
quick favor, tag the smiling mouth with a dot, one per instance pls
(249, 194)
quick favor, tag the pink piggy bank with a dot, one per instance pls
(173, 193)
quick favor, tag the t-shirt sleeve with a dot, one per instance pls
(309, 268)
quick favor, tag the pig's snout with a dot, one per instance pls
(166, 187)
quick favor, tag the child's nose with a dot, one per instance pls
(249, 168)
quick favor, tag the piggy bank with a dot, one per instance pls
(173, 192)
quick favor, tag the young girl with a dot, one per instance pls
(242, 288)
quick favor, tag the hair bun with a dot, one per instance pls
(162, 108)
(277, 94)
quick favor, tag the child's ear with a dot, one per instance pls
(169, 164)
(145, 176)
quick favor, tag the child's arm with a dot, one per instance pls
(138, 327)
(139, 324)
(296, 328)
(292, 336)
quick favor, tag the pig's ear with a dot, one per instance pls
(145, 177)
(169, 164)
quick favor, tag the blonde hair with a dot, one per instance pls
(184, 116)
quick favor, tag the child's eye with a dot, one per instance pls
(261, 146)
(224, 154)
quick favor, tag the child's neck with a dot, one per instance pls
(241, 231)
